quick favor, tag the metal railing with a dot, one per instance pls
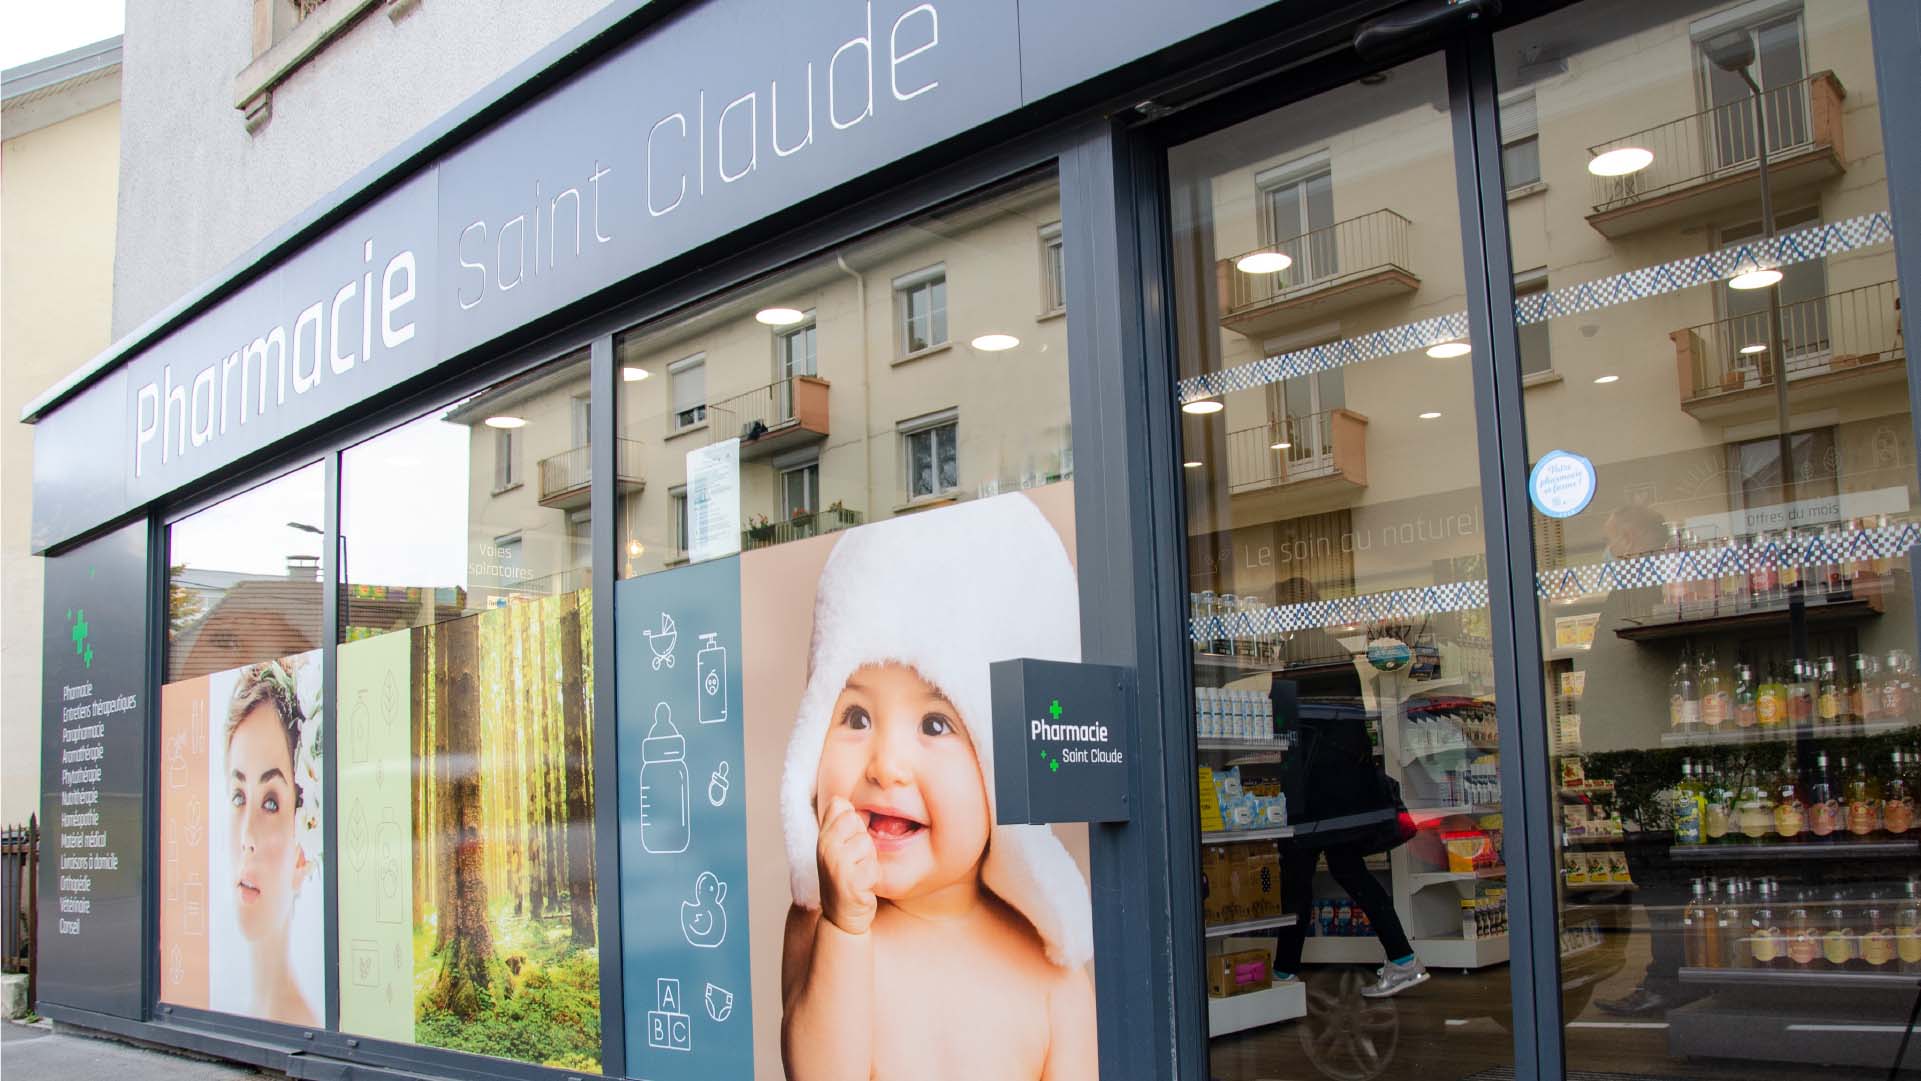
(1345, 249)
(304, 9)
(1850, 329)
(574, 469)
(1714, 141)
(799, 527)
(770, 406)
(20, 905)
(1281, 451)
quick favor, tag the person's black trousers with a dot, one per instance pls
(1344, 862)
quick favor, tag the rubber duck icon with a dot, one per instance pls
(702, 920)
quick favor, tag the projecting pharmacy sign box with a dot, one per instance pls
(1063, 736)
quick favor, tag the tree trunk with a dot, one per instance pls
(417, 729)
(463, 916)
(446, 831)
(551, 770)
(579, 828)
(535, 759)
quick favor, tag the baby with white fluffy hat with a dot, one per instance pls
(925, 941)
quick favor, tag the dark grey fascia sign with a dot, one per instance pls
(1063, 737)
(91, 950)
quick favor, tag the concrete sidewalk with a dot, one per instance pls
(38, 1053)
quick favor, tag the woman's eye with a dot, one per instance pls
(239, 798)
(856, 718)
(935, 725)
(271, 805)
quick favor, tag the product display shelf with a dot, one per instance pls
(1781, 733)
(1809, 978)
(1244, 927)
(1238, 1013)
(1423, 815)
(1830, 849)
(1277, 745)
(1342, 950)
(1462, 953)
(1269, 833)
(1590, 840)
(1819, 613)
(1422, 879)
(1600, 887)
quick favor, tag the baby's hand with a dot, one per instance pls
(849, 868)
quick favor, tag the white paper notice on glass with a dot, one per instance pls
(713, 501)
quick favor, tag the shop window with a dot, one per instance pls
(1520, 142)
(689, 379)
(932, 455)
(1053, 271)
(921, 303)
(1533, 336)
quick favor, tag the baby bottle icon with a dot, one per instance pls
(664, 803)
(710, 664)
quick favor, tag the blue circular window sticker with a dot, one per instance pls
(1562, 484)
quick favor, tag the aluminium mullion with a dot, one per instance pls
(1501, 444)
(604, 513)
(331, 626)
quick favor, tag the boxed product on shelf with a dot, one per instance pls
(1574, 865)
(1617, 867)
(1217, 885)
(1257, 882)
(1238, 972)
(1469, 850)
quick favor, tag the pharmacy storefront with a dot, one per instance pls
(1020, 540)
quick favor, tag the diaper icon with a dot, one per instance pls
(702, 920)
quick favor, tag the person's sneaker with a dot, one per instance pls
(1396, 977)
(1638, 1001)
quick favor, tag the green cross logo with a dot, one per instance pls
(81, 628)
(1054, 710)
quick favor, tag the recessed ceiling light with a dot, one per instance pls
(995, 343)
(1430, 416)
(1621, 161)
(1263, 262)
(635, 548)
(779, 317)
(1758, 278)
(632, 375)
(1280, 446)
(1190, 465)
(504, 421)
(1203, 407)
(1607, 379)
(1752, 348)
(1446, 350)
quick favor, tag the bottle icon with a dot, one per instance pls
(710, 667)
(665, 823)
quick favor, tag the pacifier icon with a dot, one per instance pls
(717, 785)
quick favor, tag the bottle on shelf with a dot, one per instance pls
(1690, 807)
(1803, 934)
(1790, 806)
(1838, 942)
(1897, 685)
(1743, 696)
(1700, 942)
(1717, 703)
(1897, 796)
(1877, 935)
(1730, 924)
(1907, 927)
(1754, 807)
(1766, 946)
(1684, 698)
(1862, 704)
(1863, 794)
(1825, 814)
(1771, 700)
(1800, 694)
(1717, 816)
(1830, 709)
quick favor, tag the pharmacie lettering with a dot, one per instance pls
(1067, 733)
(511, 253)
(198, 408)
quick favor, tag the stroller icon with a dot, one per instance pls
(662, 642)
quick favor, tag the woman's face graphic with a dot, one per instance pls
(267, 863)
(900, 753)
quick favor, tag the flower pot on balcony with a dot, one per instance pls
(802, 519)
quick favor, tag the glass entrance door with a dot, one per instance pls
(1354, 885)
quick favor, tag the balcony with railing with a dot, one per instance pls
(798, 527)
(566, 479)
(1324, 450)
(781, 416)
(1331, 269)
(1842, 342)
(1706, 162)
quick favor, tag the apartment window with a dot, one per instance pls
(1520, 141)
(689, 385)
(800, 490)
(794, 350)
(1053, 271)
(1296, 207)
(921, 304)
(931, 449)
(581, 414)
(1754, 469)
(678, 498)
(506, 459)
(1535, 358)
(1805, 336)
(1778, 56)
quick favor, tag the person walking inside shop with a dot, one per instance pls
(1345, 808)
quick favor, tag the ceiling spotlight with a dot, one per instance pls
(995, 343)
(1757, 278)
(634, 548)
(1430, 416)
(1190, 465)
(1752, 348)
(1203, 407)
(505, 421)
(1621, 161)
(1283, 445)
(1263, 262)
(632, 375)
(1605, 379)
(779, 317)
(1446, 350)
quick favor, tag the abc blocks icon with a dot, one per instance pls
(669, 1029)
